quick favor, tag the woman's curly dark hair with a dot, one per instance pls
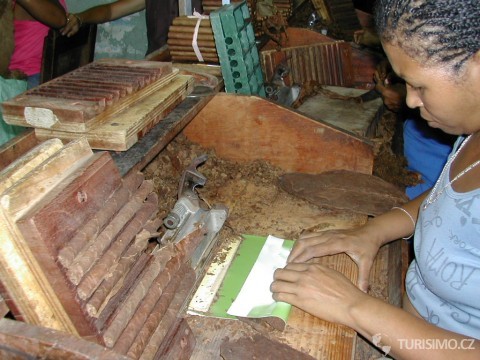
(442, 32)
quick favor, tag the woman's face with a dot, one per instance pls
(449, 103)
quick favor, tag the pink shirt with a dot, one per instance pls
(29, 36)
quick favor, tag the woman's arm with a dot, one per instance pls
(49, 12)
(329, 295)
(408, 336)
(101, 14)
(362, 243)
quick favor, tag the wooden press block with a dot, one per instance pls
(362, 61)
(60, 214)
(23, 165)
(21, 275)
(48, 225)
(124, 129)
(79, 100)
(46, 176)
(24, 282)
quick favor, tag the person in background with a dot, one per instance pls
(426, 149)
(158, 15)
(433, 45)
(32, 21)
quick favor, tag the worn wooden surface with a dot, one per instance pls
(22, 277)
(76, 101)
(348, 190)
(72, 235)
(140, 154)
(24, 341)
(16, 147)
(245, 128)
(352, 116)
(49, 225)
(282, 215)
(276, 213)
(262, 209)
(363, 60)
(124, 129)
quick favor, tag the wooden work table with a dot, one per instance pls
(260, 130)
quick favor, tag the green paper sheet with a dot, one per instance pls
(244, 260)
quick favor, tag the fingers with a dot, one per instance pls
(364, 268)
(357, 36)
(291, 272)
(71, 28)
(314, 245)
(288, 280)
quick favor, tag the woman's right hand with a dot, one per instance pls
(73, 25)
(359, 244)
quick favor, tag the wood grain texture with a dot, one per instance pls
(362, 60)
(25, 341)
(20, 167)
(122, 131)
(254, 125)
(97, 223)
(76, 102)
(21, 274)
(40, 180)
(58, 216)
(17, 147)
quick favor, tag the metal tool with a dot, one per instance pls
(278, 91)
(190, 214)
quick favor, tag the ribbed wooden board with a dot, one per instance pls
(88, 96)
(22, 278)
(124, 129)
(326, 63)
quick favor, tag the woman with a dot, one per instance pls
(434, 46)
(33, 20)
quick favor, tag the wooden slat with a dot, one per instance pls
(40, 180)
(25, 341)
(22, 165)
(16, 147)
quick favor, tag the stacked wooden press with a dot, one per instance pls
(77, 252)
(111, 102)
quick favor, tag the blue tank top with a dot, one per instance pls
(443, 282)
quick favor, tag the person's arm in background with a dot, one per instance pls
(101, 14)
(391, 88)
(48, 12)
